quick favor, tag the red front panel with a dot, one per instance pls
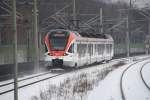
(52, 52)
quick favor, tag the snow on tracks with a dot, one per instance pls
(131, 84)
(145, 73)
(9, 86)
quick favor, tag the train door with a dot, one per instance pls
(108, 51)
(81, 49)
(87, 55)
(75, 54)
(90, 52)
(71, 52)
(78, 53)
(111, 50)
(101, 52)
(96, 52)
(84, 50)
(112, 54)
(105, 51)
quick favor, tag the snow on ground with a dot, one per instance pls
(146, 73)
(34, 90)
(22, 78)
(77, 85)
(109, 88)
(133, 85)
(9, 87)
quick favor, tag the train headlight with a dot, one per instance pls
(49, 54)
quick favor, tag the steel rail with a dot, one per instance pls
(31, 83)
(142, 77)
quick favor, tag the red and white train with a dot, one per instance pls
(73, 49)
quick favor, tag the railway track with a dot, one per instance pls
(124, 72)
(9, 76)
(38, 78)
(142, 77)
(31, 79)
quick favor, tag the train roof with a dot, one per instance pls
(86, 34)
(95, 35)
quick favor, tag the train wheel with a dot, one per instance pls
(75, 65)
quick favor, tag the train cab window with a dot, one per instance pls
(77, 34)
(71, 49)
(46, 50)
(58, 39)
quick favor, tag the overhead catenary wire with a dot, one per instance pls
(56, 13)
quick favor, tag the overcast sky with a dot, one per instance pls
(139, 3)
(143, 3)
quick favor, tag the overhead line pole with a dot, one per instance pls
(74, 15)
(15, 51)
(128, 30)
(148, 50)
(149, 26)
(36, 47)
(101, 21)
(127, 37)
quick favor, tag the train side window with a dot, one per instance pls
(90, 49)
(95, 49)
(71, 49)
(81, 49)
(108, 48)
(100, 49)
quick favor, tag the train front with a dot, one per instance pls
(60, 48)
